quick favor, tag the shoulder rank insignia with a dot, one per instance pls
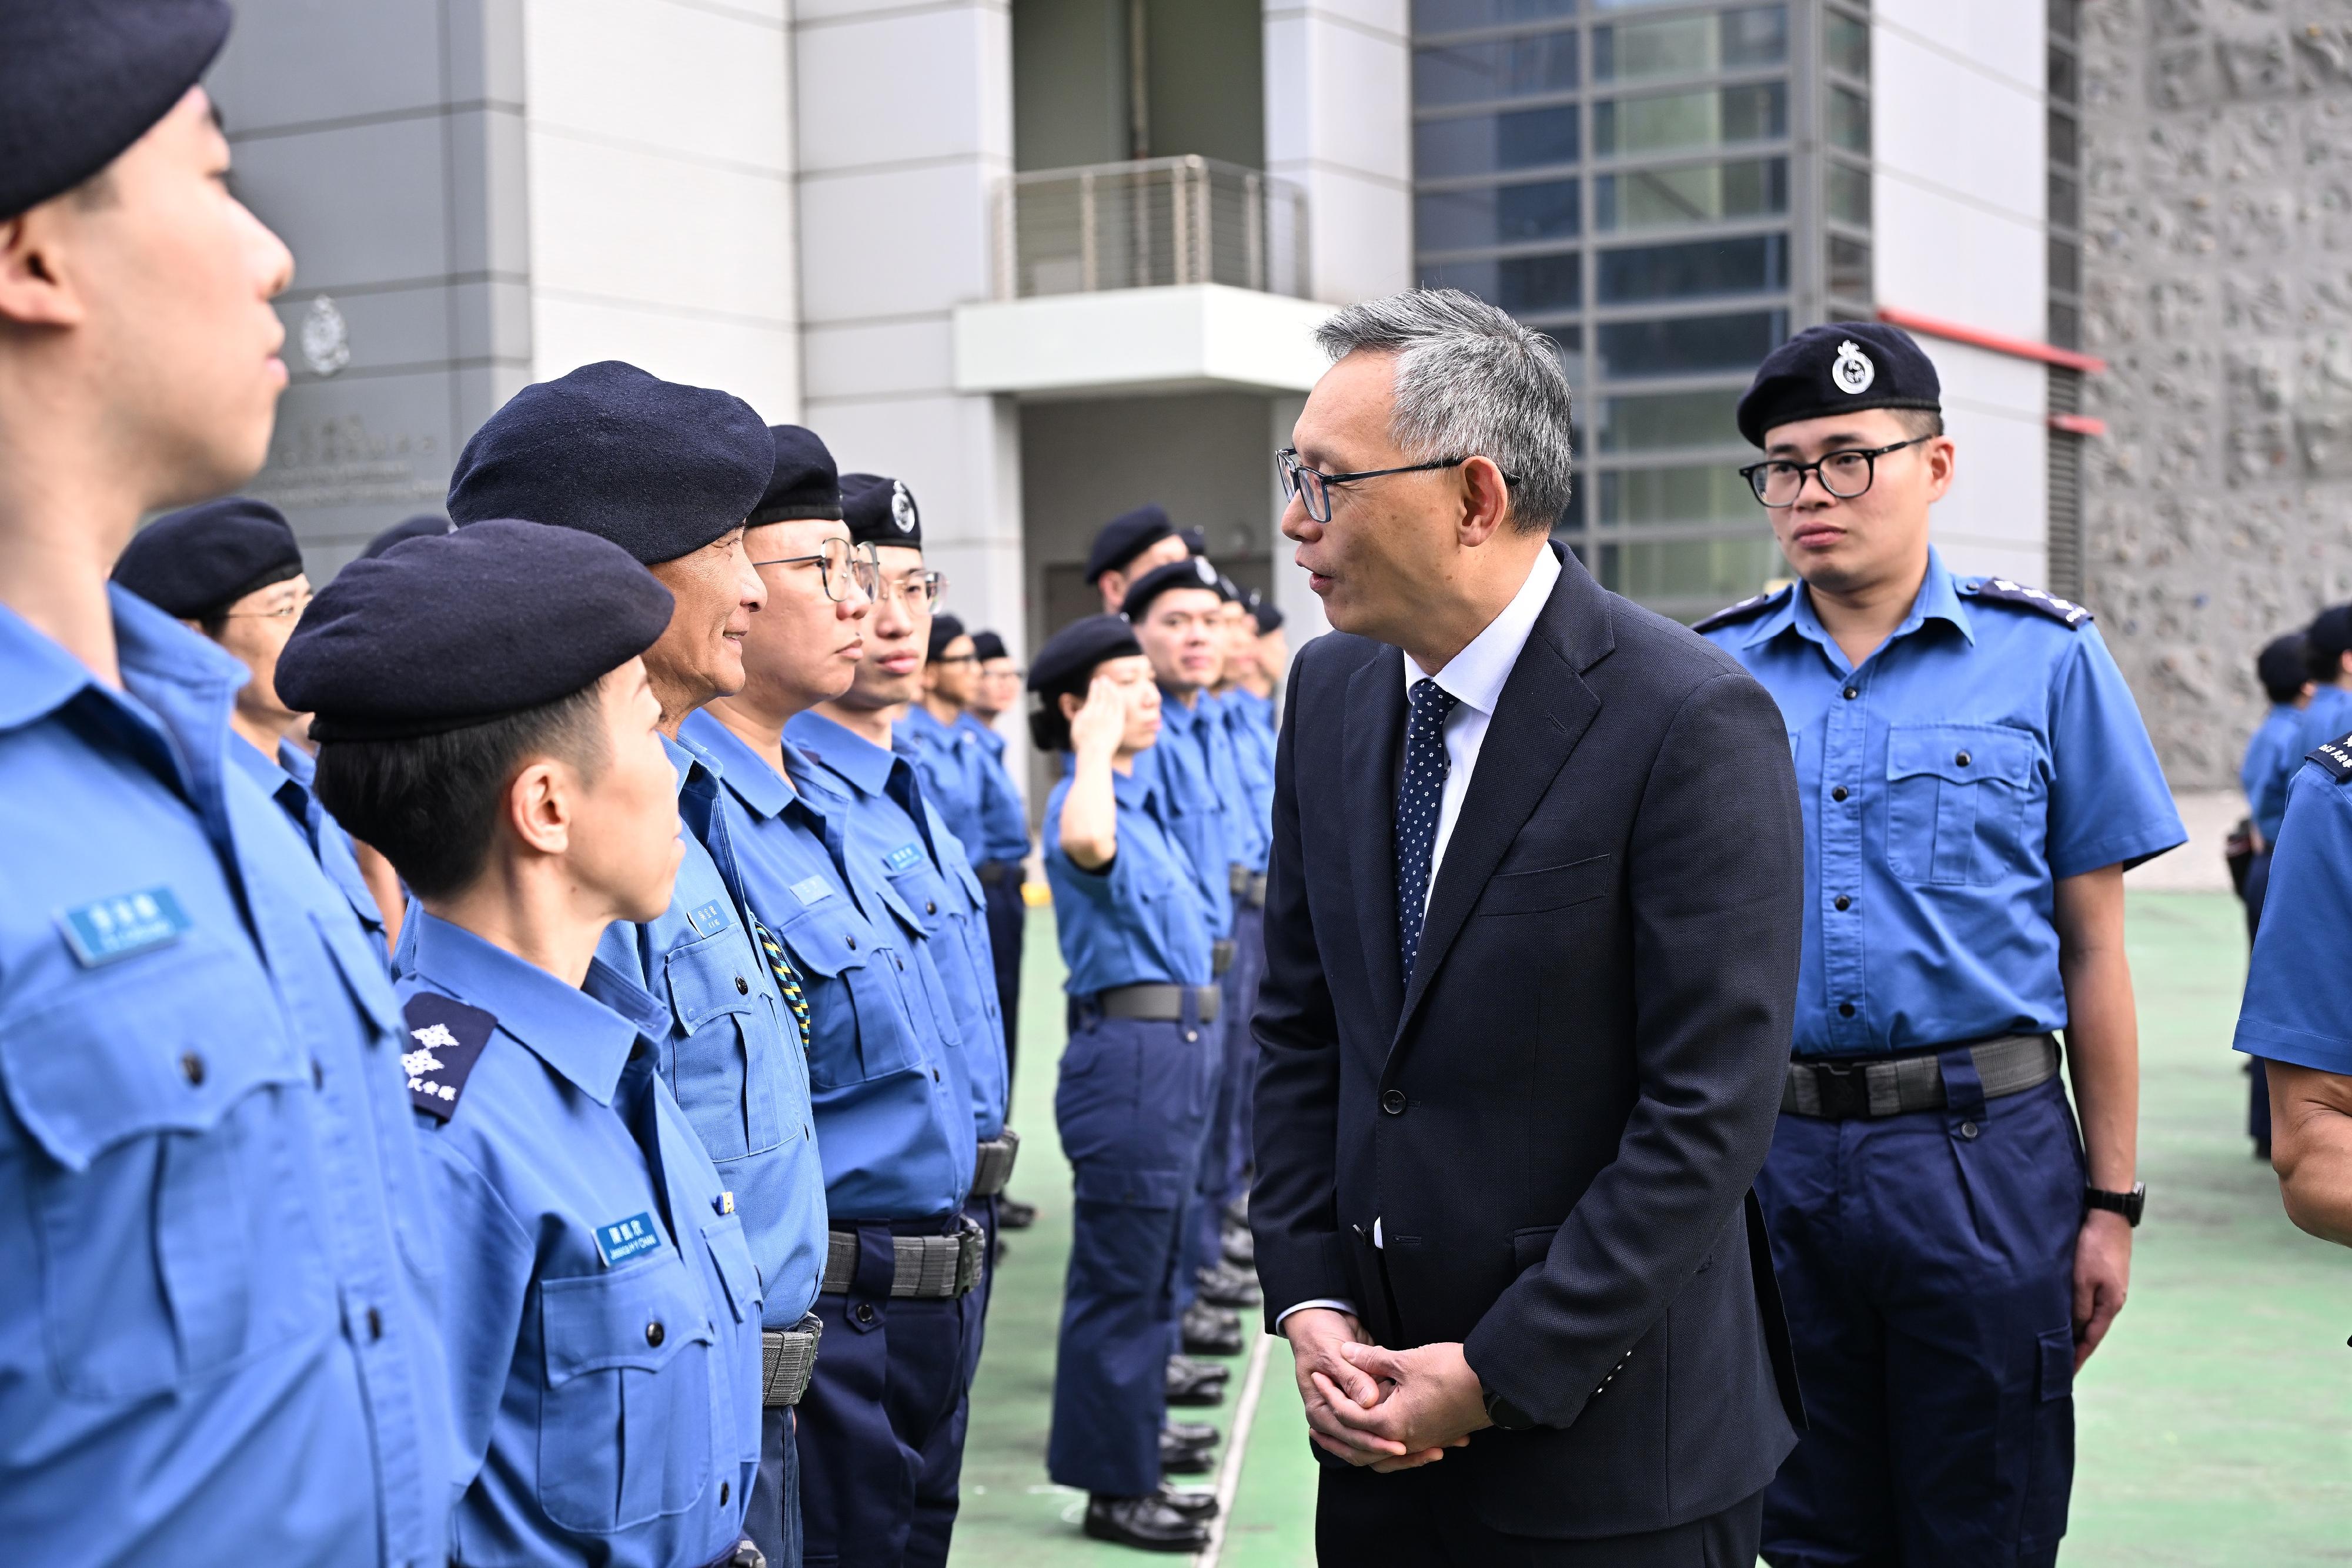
(2001, 591)
(2336, 755)
(447, 1038)
(1746, 610)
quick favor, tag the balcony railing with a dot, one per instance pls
(1151, 224)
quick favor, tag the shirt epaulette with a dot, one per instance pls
(1746, 610)
(449, 1038)
(2336, 755)
(2001, 591)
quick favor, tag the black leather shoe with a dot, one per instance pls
(1212, 1330)
(1178, 1457)
(1198, 1505)
(1225, 1286)
(1237, 1211)
(1147, 1523)
(1199, 1434)
(1193, 1382)
(1012, 1213)
(1239, 1246)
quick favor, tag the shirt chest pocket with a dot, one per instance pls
(921, 972)
(625, 1430)
(860, 1029)
(724, 1082)
(1956, 801)
(173, 1218)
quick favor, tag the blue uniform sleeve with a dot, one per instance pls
(2108, 799)
(2293, 1011)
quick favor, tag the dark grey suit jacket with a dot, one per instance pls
(1556, 1122)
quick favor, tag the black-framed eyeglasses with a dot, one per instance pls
(839, 564)
(1312, 488)
(955, 659)
(1844, 475)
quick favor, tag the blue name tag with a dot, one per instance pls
(709, 919)
(111, 928)
(622, 1240)
(906, 857)
(812, 890)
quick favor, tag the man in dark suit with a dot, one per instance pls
(1531, 957)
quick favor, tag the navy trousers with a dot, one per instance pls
(1133, 1101)
(2258, 1087)
(1428, 1518)
(882, 1424)
(1926, 1263)
(1225, 1151)
(773, 1519)
(1008, 919)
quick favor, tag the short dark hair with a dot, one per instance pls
(1049, 731)
(1919, 424)
(2279, 667)
(430, 804)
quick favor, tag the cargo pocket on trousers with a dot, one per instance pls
(2052, 1455)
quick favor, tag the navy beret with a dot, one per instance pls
(880, 511)
(1066, 663)
(2326, 642)
(2279, 666)
(806, 483)
(987, 645)
(1125, 536)
(1195, 539)
(1193, 571)
(422, 527)
(444, 634)
(199, 562)
(80, 81)
(1837, 369)
(945, 629)
(659, 468)
(1266, 613)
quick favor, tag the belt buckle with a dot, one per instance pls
(1844, 1089)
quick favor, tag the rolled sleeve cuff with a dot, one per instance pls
(2297, 1048)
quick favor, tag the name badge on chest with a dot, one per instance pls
(906, 857)
(812, 890)
(622, 1240)
(107, 929)
(709, 919)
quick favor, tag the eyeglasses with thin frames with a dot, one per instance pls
(918, 588)
(1312, 487)
(291, 610)
(839, 563)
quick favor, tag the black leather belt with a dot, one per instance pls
(1157, 1004)
(1220, 957)
(787, 1356)
(993, 1167)
(927, 1268)
(1896, 1085)
(991, 872)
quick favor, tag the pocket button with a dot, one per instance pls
(1961, 758)
(191, 1068)
(654, 1334)
(742, 986)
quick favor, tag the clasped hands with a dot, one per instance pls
(1389, 1409)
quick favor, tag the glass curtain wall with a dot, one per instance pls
(1666, 189)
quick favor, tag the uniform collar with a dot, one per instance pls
(866, 766)
(1475, 676)
(1938, 598)
(743, 770)
(271, 773)
(1134, 789)
(578, 1037)
(37, 676)
(1174, 714)
(686, 757)
(922, 722)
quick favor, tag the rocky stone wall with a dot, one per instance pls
(2218, 260)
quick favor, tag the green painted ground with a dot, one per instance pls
(2213, 1426)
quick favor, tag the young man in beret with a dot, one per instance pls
(602, 1315)
(1130, 546)
(218, 1342)
(1975, 778)
(669, 472)
(233, 570)
(950, 754)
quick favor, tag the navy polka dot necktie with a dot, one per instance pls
(1418, 798)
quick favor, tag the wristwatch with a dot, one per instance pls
(2128, 1204)
(1505, 1414)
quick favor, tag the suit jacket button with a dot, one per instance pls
(1393, 1102)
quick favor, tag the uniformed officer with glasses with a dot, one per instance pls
(1975, 779)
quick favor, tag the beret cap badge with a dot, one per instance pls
(903, 515)
(1853, 371)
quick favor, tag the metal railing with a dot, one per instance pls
(1150, 224)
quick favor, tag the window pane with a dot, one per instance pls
(1754, 264)
(1849, 270)
(1848, 191)
(2064, 85)
(1845, 45)
(1571, 519)
(1451, 15)
(1691, 118)
(1692, 344)
(2065, 325)
(1469, 220)
(1481, 143)
(2065, 205)
(1668, 420)
(1715, 493)
(2065, 268)
(2063, 19)
(2064, 146)
(1707, 572)
(1849, 121)
(1506, 68)
(1691, 46)
(1703, 192)
(1518, 283)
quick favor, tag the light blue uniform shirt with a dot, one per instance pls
(1249, 831)
(289, 781)
(602, 1315)
(1983, 752)
(2328, 717)
(2298, 1002)
(1185, 788)
(1004, 824)
(2271, 763)
(218, 1331)
(1249, 720)
(953, 770)
(1141, 920)
(893, 833)
(886, 1071)
(732, 1054)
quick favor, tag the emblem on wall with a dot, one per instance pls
(326, 337)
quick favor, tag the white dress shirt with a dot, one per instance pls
(1473, 678)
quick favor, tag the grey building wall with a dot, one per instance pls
(2217, 229)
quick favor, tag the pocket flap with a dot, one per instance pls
(1531, 1247)
(163, 1043)
(702, 979)
(733, 1255)
(636, 1317)
(1962, 753)
(1548, 887)
(1098, 1183)
(819, 940)
(896, 902)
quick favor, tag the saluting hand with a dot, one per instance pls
(1100, 723)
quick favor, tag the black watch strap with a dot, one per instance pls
(2130, 1205)
(1506, 1415)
